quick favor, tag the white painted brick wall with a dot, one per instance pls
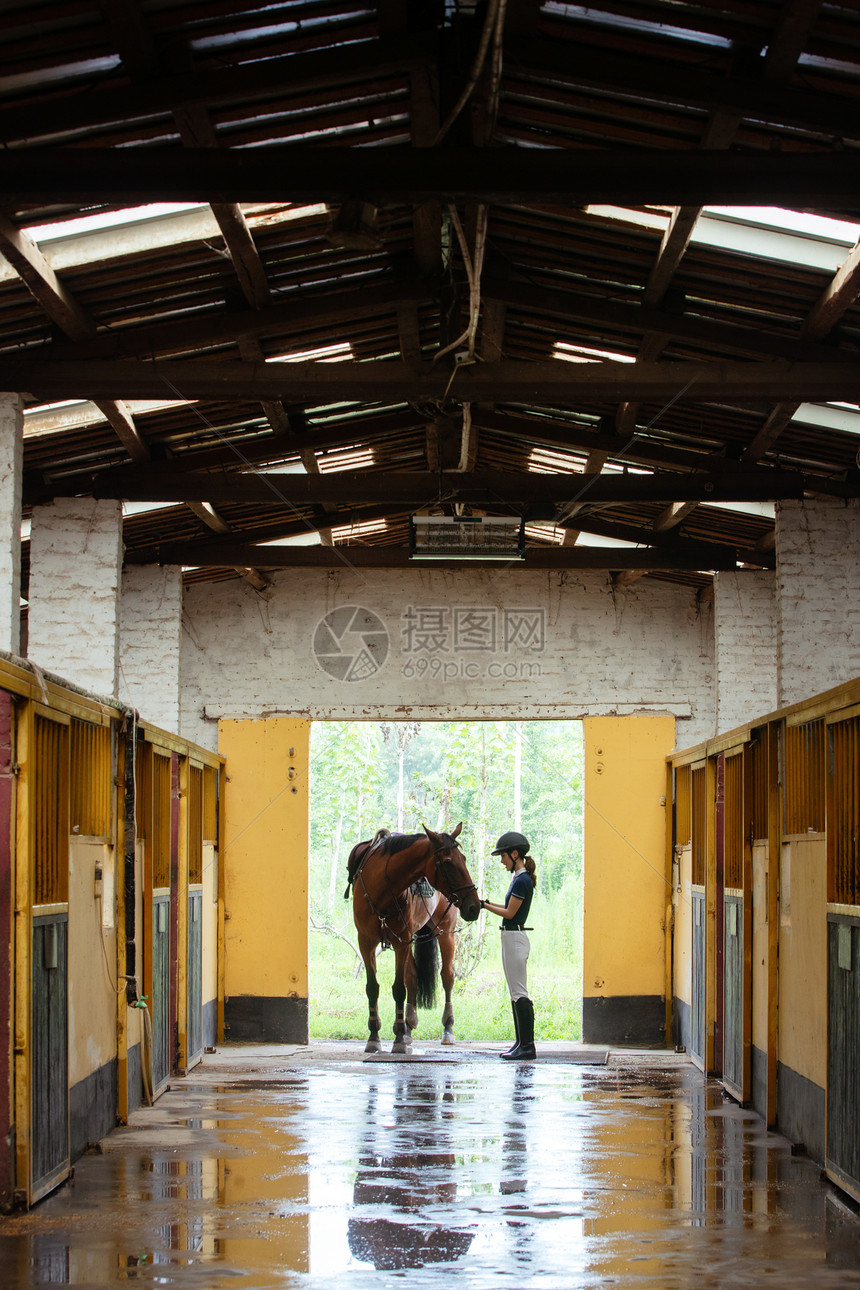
(11, 454)
(149, 639)
(644, 648)
(75, 560)
(818, 590)
(745, 631)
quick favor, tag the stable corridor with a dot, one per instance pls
(297, 1167)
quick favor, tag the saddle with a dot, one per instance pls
(357, 857)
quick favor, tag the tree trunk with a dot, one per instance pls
(518, 766)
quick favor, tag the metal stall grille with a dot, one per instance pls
(49, 804)
(683, 806)
(699, 796)
(49, 1058)
(804, 777)
(210, 804)
(843, 813)
(160, 820)
(91, 779)
(699, 830)
(195, 824)
(757, 813)
(160, 773)
(843, 953)
(194, 1040)
(734, 977)
(733, 817)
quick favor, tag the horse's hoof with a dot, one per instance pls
(372, 1046)
(448, 1037)
(400, 1047)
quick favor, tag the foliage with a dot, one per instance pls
(365, 776)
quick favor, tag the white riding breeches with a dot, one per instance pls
(515, 956)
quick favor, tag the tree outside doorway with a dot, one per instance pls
(492, 775)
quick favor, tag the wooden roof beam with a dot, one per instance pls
(839, 295)
(509, 381)
(61, 307)
(506, 174)
(218, 524)
(492, 489)
(385, 557)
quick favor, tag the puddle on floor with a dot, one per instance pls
(552, 1175)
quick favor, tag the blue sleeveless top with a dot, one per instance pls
(523, 887)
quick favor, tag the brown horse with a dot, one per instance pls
(384, 909)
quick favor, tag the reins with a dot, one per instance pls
(382, 916)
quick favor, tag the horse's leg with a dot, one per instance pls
(402, 952)
(411, 1015)
(447, 942)
(371, 989)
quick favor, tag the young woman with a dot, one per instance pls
(513, 851)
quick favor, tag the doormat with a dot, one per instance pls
(442, 1056)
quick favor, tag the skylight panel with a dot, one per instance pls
(365, 528)
(770, 233)
(767, 510)
(54, 418)
(546, 461)
(571, 353)
(53, 76)
(107, 219)
(345, 459)
(339, 352)
(830, 416)
(626, 22)
(655, 217)
(545, 533)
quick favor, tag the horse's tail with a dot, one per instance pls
(426, 962)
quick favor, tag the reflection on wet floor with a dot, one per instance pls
(558, 1175)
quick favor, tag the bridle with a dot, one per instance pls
(441, 858)
(443, 863)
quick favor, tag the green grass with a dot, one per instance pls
(482, 1009)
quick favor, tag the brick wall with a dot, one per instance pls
(745, 629)
(75, 557)
(818, 581)
(643, 648)
(149, 637)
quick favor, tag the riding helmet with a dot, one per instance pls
(508, 841)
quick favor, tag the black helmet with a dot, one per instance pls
(509, 841)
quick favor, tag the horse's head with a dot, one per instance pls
(450, 874)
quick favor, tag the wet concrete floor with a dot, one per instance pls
(279, 1167)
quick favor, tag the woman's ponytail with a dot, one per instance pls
(530, 869)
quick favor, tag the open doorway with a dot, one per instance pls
(492, 775)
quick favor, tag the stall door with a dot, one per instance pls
(737, 934)
(162, 919)
(195, 976)
(194, 942)
(843, 953)
(699, 916)
(49, 1070)
(843, 1067)
(49, 1027)
(161, 1063)
(697, 1017)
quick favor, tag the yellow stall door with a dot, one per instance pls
(626, 888)
(265, 859)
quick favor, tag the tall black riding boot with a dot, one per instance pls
(516, 1044)
(525, 1050)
